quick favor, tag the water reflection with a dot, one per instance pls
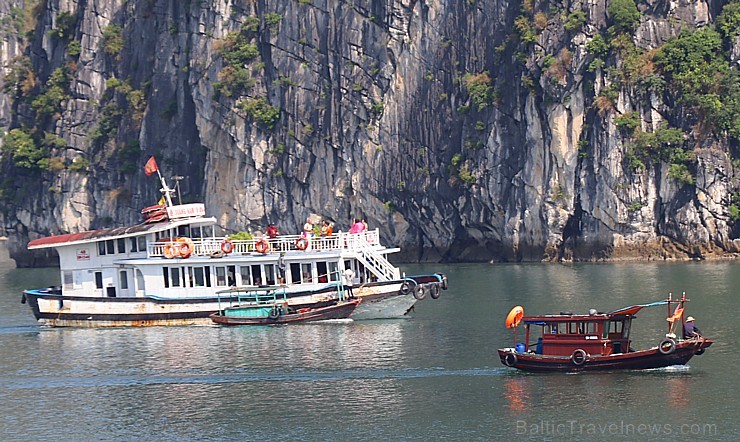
(516, 393)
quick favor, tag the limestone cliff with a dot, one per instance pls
(465, 130)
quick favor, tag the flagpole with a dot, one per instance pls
(165, 189)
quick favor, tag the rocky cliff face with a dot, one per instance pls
(464, 130)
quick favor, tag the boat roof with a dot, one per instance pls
(114, 233)
(568, 317)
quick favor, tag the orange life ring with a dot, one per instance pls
(227, 246)
(262, 246)
(170, 249)
(185, 247)
(514, 317)
(301, 243)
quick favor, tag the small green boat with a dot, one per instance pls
(267, 305)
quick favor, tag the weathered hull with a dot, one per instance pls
(638, 360)
(50, 307)
(337, 311)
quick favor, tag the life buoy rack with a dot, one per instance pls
(262, 246)
(301, 243)
(579, 357)
(420, 292)
(667, 346)
(434, 290)
(185, 247)
(227, 246)
(514, 317)
(510, 359)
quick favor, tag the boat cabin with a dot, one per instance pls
(137, 261)
(561, 335)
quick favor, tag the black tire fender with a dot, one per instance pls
(405, 288)
(434, 290)
(579, 357)
(420, 292)
(274, 313)
(667, 346)
(700, 351)
(510, 359)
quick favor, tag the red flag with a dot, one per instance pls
(150, 167)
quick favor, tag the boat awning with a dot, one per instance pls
(633, 309)
(112, 233)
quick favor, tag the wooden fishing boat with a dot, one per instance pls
(597, 341)
(268, 306)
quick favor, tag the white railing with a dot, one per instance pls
(375, 261)
(359, 242)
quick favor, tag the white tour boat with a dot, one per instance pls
(168, 270)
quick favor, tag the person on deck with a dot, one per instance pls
(308, 228)
(349, 280)
(281, 267)
(327, 228)
(690, 330)
(272, 231)
(357, 227)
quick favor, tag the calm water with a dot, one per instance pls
(433, 376)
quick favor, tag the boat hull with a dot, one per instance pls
(337, 311)
(52, 308)
(637, 360)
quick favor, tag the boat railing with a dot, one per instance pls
(359, 242)
(375, 261)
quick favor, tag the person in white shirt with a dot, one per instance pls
(349, 280)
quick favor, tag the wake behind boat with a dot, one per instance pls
(167, 270)
(598, 341)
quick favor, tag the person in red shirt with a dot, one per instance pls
(272, 231)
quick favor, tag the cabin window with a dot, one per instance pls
(68, 281)
(592, 328)
(626, 329)
(121, 245)
(220, 276)
(611, 327)
(110, 247)
(333, 272)
(200, 276)
(231, 275)
(138, 244)
(295, 273)
(244, 274)
(176, 276)
(322, 271)
(256, 274)
(270, 274)
(101, 248)
(306, 272)
(98, 280)
(124, 280)
(183, 231)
